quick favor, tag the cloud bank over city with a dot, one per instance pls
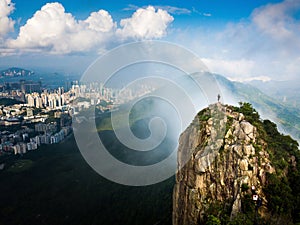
(261, 43)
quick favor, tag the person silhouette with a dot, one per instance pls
(219, 96)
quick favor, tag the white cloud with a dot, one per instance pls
(6, 52)
(207, 14)
(174, 10)
(229, 68)
(100, 21)
(131, 7)
(145, 23)
(170, 9)
(277, 19)
(54, 30)
(278, 27)
(267, 44)
(6, 23)
(248, 79)
(200, 13)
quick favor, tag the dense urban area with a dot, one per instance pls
(32, 115)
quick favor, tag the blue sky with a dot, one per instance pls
(221, 11)
(230, 9)
(255, 39)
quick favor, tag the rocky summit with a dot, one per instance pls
(230, 171)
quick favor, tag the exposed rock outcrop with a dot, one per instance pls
(220, 158)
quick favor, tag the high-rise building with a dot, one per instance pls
(38, 102)
(30, 100)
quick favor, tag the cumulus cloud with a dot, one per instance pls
(145, 23)
(100, 21)
(52, 29)
(6, 23)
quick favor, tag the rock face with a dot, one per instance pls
(219, 160)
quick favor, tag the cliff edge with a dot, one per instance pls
(228, 169)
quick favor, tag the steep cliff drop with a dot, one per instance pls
(224, 164)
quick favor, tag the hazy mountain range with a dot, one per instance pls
(287, 92)
(275, 100)
(15, 72)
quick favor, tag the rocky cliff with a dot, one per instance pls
(224, 168)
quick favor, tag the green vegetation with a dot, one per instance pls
(279, 195)
(228, 124)
(20, 165)
(10, 128)
(9, 101)
(219, 213)
(104, 123)
(282, 188)
(204, 115)
(52, 119)
(244, 187)
(212, 220)
(61, 188)
(139, 111)
(251, 115)
(54, 185)
(104, 103)
(288, 115)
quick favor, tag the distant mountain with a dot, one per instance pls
(285, 115)
(286, 91)
(15, 72)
